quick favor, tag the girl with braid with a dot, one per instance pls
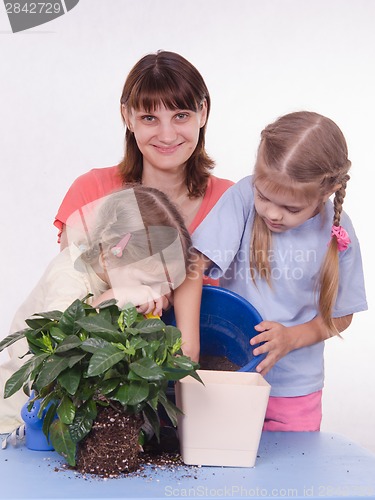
(132, 246)
(277, 239)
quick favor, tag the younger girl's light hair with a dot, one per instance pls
(153, 227)
(299, 153)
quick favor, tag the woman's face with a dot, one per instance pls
(166, 138)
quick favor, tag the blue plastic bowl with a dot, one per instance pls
(226, 326)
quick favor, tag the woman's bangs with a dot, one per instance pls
(152, 93)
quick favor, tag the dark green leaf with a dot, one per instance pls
(116, 337)
(147, 369)
(183, 362)
(57, 334)
(107, 303)
(161, 353)
(66, 410)
(69, 343)
(20, 377)
(109, 385)
(51, 315)
(110, 312)
(137, 343)
(133, 376)
(80, 428)
(86, 391)
(174, 374)
(132, 331)
(149, 350)
(51, 369)
(48, 418)
(97, 324)
(69, 320)
(153, 418)
(132, 393)
(10, 339)
(36, 342)
(153, 393)
(150, 325)
(45, 401)
(105, 314)
(104, 359)
(170, 408)
(74, 359)
(70, 379)
(90, 409)
(196, 376)
(93, 344)
(62, 441)
(26, 389)
(173, 339)
(127, 317)
(38, 323)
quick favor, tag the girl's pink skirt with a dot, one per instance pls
(301, 413)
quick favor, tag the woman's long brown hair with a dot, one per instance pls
(167, 79)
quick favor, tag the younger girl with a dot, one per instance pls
(132, 246)
(277, 239)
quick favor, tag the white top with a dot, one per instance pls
(296, 257)
(66, 279)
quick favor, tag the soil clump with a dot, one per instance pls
(220, 363)
(111, 447)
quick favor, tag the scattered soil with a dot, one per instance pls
(112, 447)
(220, 363)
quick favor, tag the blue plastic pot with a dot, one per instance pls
(227, 323)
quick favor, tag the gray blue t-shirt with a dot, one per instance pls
(296, 256)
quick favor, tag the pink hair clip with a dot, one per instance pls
(119, 248)
(342, 237)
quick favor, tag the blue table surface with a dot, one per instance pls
(289, 465)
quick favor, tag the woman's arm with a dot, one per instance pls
(280, 339)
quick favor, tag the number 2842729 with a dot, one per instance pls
(33, 8)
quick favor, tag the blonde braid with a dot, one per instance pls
(339, 200)
(329, 274)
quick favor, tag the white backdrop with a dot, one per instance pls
(60, 85)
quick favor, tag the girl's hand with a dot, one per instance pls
(153, 306)
(277, 344)
(143, 298)
(280, 339)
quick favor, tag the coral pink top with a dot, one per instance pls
(100, 182)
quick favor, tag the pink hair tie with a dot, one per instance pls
(119, 248)
(342, 237)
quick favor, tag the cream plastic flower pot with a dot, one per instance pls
(222, 420)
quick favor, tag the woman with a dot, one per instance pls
(165, 105)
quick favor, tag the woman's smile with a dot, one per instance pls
(168, 150)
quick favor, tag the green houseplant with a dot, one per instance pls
(85, 361)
